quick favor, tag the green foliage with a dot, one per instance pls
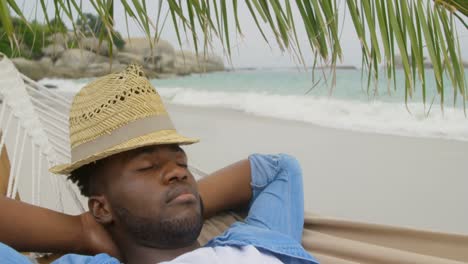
(118, 40)
(57, 25)
(89, 25)
(5, 46)
(73, 44)
(92, 26)
(31, 38)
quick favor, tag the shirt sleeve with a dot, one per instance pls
(9, 255)
(83, 259)
(277, 194)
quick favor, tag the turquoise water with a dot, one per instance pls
(290, 94)
(349, 85)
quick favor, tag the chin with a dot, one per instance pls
(170, 229)
(181, 230)
(182, 211)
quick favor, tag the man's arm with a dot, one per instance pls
(225, 189)
(277, 194)
(271, 185)
(27, 227)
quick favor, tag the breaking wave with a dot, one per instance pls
(372, 116)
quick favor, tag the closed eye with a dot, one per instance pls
(183, 165)
(146, 168)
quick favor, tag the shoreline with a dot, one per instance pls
(350, 112)
(323, 126)
(385, 179)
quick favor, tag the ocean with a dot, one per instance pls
(293, 94)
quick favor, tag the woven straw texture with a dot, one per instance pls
(112, 102)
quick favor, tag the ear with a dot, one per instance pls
(100, 209)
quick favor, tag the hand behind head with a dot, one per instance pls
(96, 238)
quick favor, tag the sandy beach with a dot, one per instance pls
(405, 181)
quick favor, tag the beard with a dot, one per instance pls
(162, 233)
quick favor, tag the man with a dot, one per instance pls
(145, 205)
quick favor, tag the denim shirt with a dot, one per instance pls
(274, 223)
(276, 216)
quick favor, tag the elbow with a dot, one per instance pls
(291, 165)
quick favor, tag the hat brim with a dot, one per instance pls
(162, 137)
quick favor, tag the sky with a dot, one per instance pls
(250, 49)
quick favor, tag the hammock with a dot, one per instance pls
(34, 123)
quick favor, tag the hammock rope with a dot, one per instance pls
(16, 174)
(35, 113)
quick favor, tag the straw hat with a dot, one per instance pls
(116, 113)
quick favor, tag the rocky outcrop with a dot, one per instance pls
(127, 58)
(60, 39)
(157, 56)
(76, 59)
(91, 59)
(161, 57)
(93, 45)
(103, 68)
(30, 68)
(142, 46)
(53, 51)
(186, 62)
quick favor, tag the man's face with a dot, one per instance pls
(153, 196)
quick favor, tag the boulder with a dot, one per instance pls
(127, 58)
(187, 62)
(53, 51)
(46, 62)
(160, 57)
(33, 69)
(91, 70)
(141, 46)
(60, 39)
(78, 60)
(92, 44)
(25, 51)
(103, 68)
(213, 63)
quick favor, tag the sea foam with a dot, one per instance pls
(372, 116)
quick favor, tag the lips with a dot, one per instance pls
(180, 194)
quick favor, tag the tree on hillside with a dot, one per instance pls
(90, 25)
(57, 25)
(30, 38)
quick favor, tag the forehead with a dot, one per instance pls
(143, 151)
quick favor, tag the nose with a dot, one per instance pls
(174, 173)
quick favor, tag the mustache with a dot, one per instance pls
(179, 190)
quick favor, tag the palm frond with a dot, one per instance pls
(386, 29)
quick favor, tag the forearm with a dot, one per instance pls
(225, 189)
(31, 228)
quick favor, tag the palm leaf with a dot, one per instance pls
(385, 29)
